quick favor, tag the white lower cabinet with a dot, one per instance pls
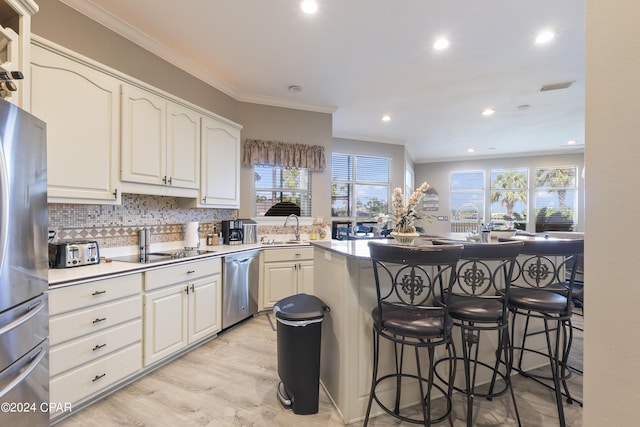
(285, 272)
(183, 307)
(95, 331)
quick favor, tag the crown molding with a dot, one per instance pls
(285, 103)
(23, 7)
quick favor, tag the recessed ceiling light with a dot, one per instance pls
(572, 142)
(471, 150)
(545, 37)
(441, 43)
(295, 88)
(309, 6)
(488, 112)
(386, 118)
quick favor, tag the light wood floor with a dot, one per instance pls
(232, 380)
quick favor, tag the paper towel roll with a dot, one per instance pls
(191, 237)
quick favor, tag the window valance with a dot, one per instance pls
(277, 153)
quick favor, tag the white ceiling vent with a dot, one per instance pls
(555, 86)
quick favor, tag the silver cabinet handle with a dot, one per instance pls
(98, 293)
(190, 271)
(193, 288)
(99, 319)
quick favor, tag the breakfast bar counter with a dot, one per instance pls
(344, 280)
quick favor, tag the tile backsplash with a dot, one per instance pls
(116, 226)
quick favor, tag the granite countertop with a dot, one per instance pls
(360, 248)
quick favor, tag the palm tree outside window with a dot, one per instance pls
(509, 196)
(555, 198)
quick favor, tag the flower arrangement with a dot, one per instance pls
(406, 215)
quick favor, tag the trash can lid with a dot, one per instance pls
(300, 307)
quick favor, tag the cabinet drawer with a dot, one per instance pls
(66, 356)
(87, 380)
(288, 254)
(64, 327)
(91, 293)
(181, 273)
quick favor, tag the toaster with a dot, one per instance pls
(73, 253)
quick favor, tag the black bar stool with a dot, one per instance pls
(407, 281)
(543, 288)
(478, 302)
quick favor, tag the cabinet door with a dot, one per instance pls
(144, 137)
(280, 281)
(204, 308)
(165, 323)
(220, 165)
(305, 277)
(83, 125)
(183, 146)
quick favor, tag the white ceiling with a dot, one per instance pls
(361, 59)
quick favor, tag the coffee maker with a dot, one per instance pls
(232, 233)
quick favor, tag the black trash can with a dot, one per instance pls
(299, 319)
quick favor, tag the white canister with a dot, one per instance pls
(191, 237)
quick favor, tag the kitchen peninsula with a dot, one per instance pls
(344, 280)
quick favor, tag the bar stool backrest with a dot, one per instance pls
(550, 264)
(408, 276)
(485, 270)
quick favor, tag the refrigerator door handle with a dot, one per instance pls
(25, 373)
(20, 320)
(4, 203)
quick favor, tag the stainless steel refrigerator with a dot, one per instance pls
(24, 320)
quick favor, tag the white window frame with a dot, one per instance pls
(305, 202)
(352, 217)
(461, 225)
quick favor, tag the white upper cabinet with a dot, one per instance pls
(220, 165)
(81, 108)
(160, 143)
(108, 133)
(183, 146)
(144, 137)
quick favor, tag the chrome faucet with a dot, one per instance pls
(297, 225)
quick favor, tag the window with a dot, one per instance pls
(467, 200)
(276, 184)
(360, 186)
(408, 182)
(555, 199)
(509, 195)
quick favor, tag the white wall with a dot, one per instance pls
(437, 175)
(612, 291)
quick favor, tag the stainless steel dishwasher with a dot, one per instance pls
(240, 289)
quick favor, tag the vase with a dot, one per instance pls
(404, 239)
